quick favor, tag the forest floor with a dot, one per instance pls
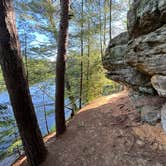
(107, 132)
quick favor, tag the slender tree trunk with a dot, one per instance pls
(71, 97)
(110, 33)
(17, 85)
(54, 32)
(45, 114)
(105, 23)
(82, 53)
(100, 27)
(60, 68)
(88, 63)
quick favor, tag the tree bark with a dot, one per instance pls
(105, 24)
(110, 20)
(17, 85)
(82, 53)
(60, 68)
(88, 63)
(100, 28)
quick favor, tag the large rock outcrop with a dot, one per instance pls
(137, 58)
(145, 16)
(147, 53)
(120, 71)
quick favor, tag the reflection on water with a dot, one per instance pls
(43, 100)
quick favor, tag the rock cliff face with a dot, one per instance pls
(137, 58)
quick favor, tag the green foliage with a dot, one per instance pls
(52, 129)
(16, 144)
(8, 131)
(38, 70)
(93, 80)
(2, 83)
(96, 79)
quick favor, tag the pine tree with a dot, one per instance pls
(60, 67)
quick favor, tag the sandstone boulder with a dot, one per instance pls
(150, 114)
(159, 83)
(148, 106)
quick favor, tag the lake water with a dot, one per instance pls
(42, 96)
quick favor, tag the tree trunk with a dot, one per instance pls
(60, 68)
(110, 19)
(82, 53)
(71, 97)
(105, 24)
(100, 28)
(45, 114)
(88, 63)
(17, 85)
